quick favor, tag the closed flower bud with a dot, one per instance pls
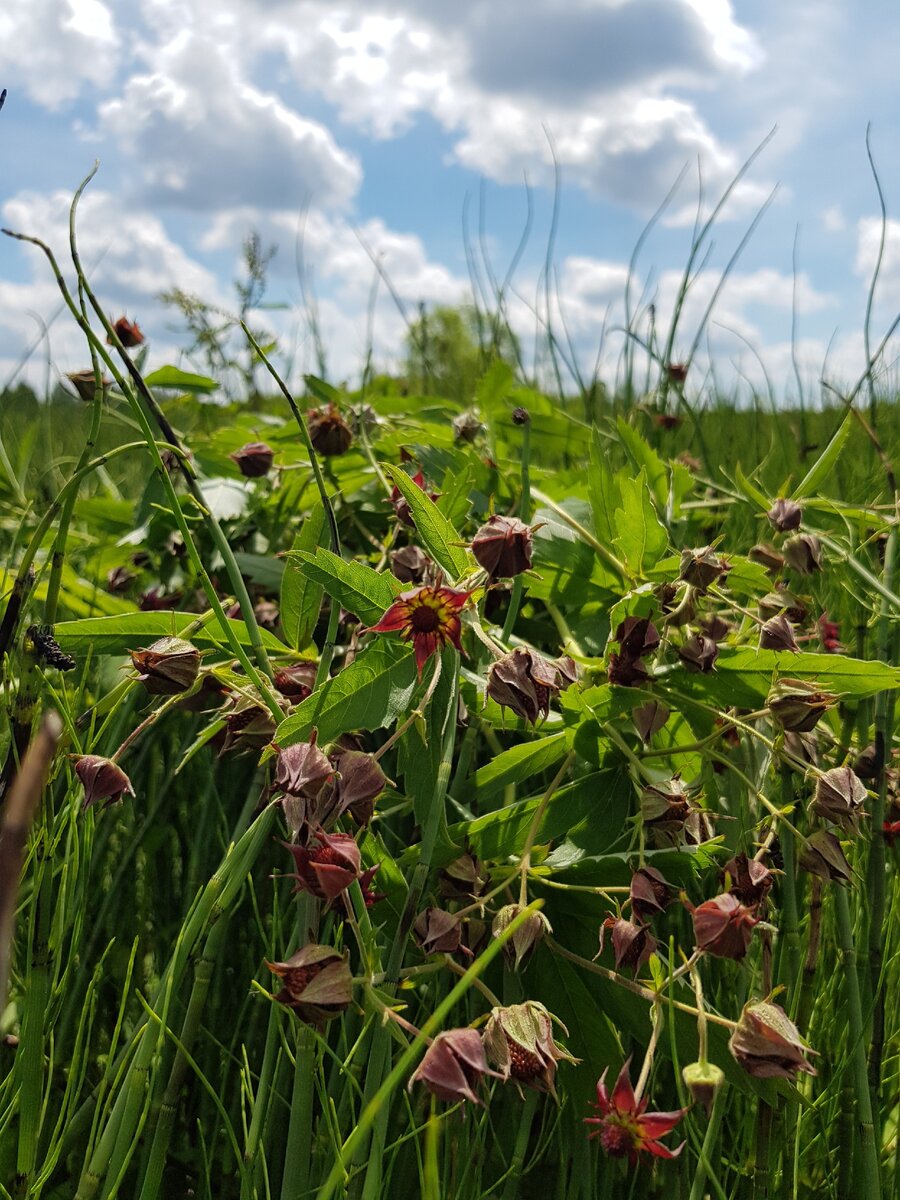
(777, 634)
(328, 431)
(297, 681)
(822, 855)
(524, 681)
(465, 878)
(704, 1081)
(785, 515)
(699, 653)
(119, 579)
(650, 893)
(409, 564)
(302, 769)
(358, 781)
(748, 879)
(803, 553)
(866, 764)
(670, 817)
(701, 568)
(782, 601)
(128, 333)
(520, 416)
(840, 796)
(626, 671)
(715, 627)
(467, 427)
(438, 932)
(803, 746)
(520, 947)
(453, 1066)
(503, 547)
(519, 1042)
(316, 983)
(767, 1044)
(168, 667)
(633, 944)
(253, 460)
(637, 636)
(765, 556)
(797, 705)
(723, 926)
(328, 868)
(649, 718)
(102, 779)
(85, 385)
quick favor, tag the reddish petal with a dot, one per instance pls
(603, 1095)
(453, 599)
(396, 618)
(425, 645)
(654, 1125)
(332, 880)
(451, 629)
(662, 1151)
(623, 1093)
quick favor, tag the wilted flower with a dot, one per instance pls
(253, 460)
(249, 726)
(503, 547)
(328, 868)
(302, 769)
(767, 1044)
(797, 705)
(822, 855)
(401, 504)
(670, 817)
(524, 681)
(785, 515)
(466, 427)
(840, 795)
(701, 568)
(428, 617)
(296, 681)
(317, 983)
(803, 553)
(749, 879)
(128, 333)
(438, 932)
(625, 1126)
(633, 944)
(465, 878)
(723, 926)
(637, 636)
(328, 431)
(650, 893)
(453, 1066)
(649, 718)
(168, 667)
(102, 779)
(409, 564)
(767, 557)
(777, 634)
(519, 1042)
(358, 780)
(520, 947)
(699, 653)
(85, 385)
(703, 1080)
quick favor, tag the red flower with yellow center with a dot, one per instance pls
(625, 1126)
(428, 617)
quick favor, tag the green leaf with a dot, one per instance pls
(824, 464)
(750, 491)
(640, 536)
(262, 569)
(494, 384)
(438, 536)
(179, 381)
(118, 635)
(371, 693)
(323, 392)
(359, 589)
(454, 501)
(644, 456)
(603, 491)
(517, 764)
(301, 596)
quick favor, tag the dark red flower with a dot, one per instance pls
(453, 1065)
(128, 333)
(329, 868)
(253, 460)
(519, 1042)
(328, 431)
(296, 681)
(503, 547)
(767, 1044)
(168, 667)
(317, 983)
(102, 779)
(633, 944)
(723, 926)
(830, 634)
(625, 1127)
(749, 879)
(428, 617)
(650, 893)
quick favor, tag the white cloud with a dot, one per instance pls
(52, 48)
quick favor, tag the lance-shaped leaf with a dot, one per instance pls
(438, 536)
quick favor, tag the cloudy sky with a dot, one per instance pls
(385, 129)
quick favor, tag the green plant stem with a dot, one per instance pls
(698, 1187)
(297, 1175)
(870, 1181)
(523, 1137)
(789, 906)
(515, 599)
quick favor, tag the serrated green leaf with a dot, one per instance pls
(361, 590)
(118, 635)
(371, 693)
(603, 492)
(644, 456)
(517, 764)
(438, 536)
(640, 537)
(174, 379)
(301, 596)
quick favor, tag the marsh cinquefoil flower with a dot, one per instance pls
(426, 616)
(625, 1127)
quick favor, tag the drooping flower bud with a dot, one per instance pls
(328, 431)
(520, 416)
(840, 796)
(296, 681)
(765, 556)
(637, 636)
(650, 893)
(249, 726)
(519, 1042)
(649, 718)
(302, 769)
(254, 459)
(703, 1080)
(503, 546)
(767, 1044)
(715, 627)
(327, 869)
(438, 932)
(85, 385)
(358, 781)
(168, 667)
(524, 681)
(777, 634)
(453, 1066)
(128, 333)
(119, 579)
(803, 553)
(699, 653)
(465, 878)
(102, 779)
(316, 983)
(670, 817)
(520, 947)
(723, 926)
(633, 944)
(409, 564)
(748, 879)
(797, 705)
(467, 427)
(626, 671)
(822, 855)
(785, 515)
(702, 567)
(803, 746)
(782, 600)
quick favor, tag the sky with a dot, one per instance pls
(393, 150)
